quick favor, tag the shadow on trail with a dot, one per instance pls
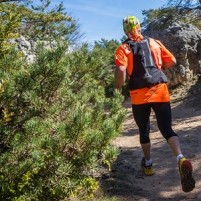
(126, 180)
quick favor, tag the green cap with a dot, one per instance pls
(130, 23)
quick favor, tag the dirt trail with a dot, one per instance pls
(127, 181)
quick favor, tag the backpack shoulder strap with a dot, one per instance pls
(126, 41)
(148, 39)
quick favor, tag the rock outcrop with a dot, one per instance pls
(184, 41)
(28, 46)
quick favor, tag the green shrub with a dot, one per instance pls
(56, 121)
(56, 118)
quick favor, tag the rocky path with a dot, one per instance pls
(126, 180)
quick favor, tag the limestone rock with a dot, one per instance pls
(184, 41)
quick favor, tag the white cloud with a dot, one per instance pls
(105, 12)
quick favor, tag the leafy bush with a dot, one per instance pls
(56, 119)
(174, 11)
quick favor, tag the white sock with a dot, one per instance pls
(148, 162)
(179, 156)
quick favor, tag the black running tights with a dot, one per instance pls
(141, 114)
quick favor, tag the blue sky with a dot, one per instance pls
(103, 18)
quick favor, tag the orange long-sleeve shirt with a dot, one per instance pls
(156, 93)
